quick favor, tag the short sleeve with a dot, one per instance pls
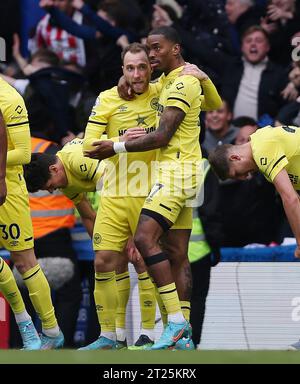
(183, 91)
(270, 158)
(86, 168)
(100, 113)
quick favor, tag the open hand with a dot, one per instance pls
(193, 70)
(132, 253)
(103, 150)
(133, 133)
(124, 90)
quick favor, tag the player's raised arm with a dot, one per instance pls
(3, 154)
(291, 204)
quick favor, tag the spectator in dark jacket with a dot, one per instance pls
(253, 84)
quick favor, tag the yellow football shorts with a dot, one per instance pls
(116, 221)
(169, 198)
(16, 233)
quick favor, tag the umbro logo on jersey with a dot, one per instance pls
(122, 108)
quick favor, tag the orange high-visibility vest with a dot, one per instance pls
(49, 211)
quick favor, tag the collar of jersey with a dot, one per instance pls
(173, 74)
(144, 95)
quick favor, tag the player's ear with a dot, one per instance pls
(176, 49)
(234, 157)
(53, 169)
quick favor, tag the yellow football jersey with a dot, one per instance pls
(83, 173)
(182, 92)
(16, 119)
(128, 174)
(277, 148)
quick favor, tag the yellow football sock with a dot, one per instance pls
(123, 287)
(9, 288)
(162, 308)
(147, 301)
(40, 296)
(106, 299)
(169, 296)
(186, 309)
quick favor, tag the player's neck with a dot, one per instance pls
(63, 171)
(142, 93)
(247, 153)
(177, 62)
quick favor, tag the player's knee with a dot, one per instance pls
(24, 260)
(178, 259)
(21, 267)
(142, 242)
(99, 265)
(177, 253)
(122, 265)
(101, 262)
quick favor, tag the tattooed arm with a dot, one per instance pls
(169, 122)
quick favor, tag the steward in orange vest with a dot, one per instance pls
(49, 212)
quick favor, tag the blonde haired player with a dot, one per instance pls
(109, 115)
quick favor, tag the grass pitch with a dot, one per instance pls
(148, 357)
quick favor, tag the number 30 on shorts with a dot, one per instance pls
(12, 231)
